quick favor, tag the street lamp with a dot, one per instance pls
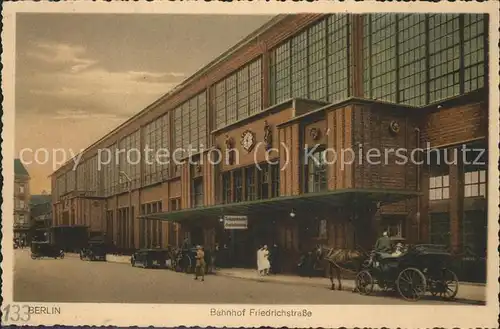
(124, 174)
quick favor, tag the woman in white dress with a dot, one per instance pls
(259, 260)
(265, 264)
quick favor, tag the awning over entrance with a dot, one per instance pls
(338, 198)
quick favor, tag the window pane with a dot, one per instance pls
(337, 58)
(467, 178)
(438, 194)
(474, 190)
(439, 181)
(317, 61)
(412, 59)
(444, 52)
(482, 176)
(380, 57)
(432, 195)
(299, 65)
(467, 191)
(482, 189)
(446, 180)
(432, 182)
(446, 193)
(474, 177)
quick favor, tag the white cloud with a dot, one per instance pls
(72, 114)
(141, 74)
(88, 88)
(61, 53)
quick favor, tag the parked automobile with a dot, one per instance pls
(95, 250)
(150, 258)
(41, 249)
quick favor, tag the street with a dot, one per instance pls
(73, 280)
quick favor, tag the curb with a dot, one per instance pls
(118, 259)
(350, 284)
(345, 284)
(70, 254)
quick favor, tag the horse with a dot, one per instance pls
(339, 259)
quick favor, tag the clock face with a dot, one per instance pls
(247, 140)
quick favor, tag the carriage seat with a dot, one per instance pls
(388, 256)
(383, 255)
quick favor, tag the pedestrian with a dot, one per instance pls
(383, 244)
(215, 257)
(200, 263)
(275, 258)
(259, 260)
(265, 264)
(224, 257)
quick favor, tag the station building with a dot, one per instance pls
(275, 106)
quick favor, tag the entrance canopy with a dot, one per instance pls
(309, 201)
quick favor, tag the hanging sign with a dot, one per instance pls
(235, 222)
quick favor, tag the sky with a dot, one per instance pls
(78, 76)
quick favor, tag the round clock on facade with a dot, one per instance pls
(248, 140)
(394, 127)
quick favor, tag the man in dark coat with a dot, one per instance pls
(383, 244)
(275, 259)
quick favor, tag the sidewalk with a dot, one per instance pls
(466, 290)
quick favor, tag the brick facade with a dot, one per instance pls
(340, 126)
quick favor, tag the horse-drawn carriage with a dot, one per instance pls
(41, 249)
(419, 269)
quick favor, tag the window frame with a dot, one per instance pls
(242, 85)
(439, 77)
(321, 55)
(227, 188)
(317, 176)
(197, 193)
(479, 170)
(238, 185)
(274, 173)
(250, 184)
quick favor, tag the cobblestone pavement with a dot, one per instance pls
(73, 280)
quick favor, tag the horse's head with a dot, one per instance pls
(321, 250)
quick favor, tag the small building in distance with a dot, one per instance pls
(21, 200)
(41, 215)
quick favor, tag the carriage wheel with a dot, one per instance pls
(364, 282)
(411, 284)
(448, 285)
